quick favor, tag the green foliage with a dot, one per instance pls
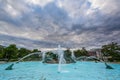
(10, 52)
(67, 53)
(1, 51)
(23, 51)
(68, 56)
(35, 56)
(82, 52)
(77, 53)
(51, 55)
(36, 50)
(112, 49)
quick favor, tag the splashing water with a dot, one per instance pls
(60, 58)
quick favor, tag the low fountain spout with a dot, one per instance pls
(10, 67)
(108, 66)
(60, 58)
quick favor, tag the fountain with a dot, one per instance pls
(34, 70)
(108, 66)
(60, 58)
(104, 59)
(73, 57)
(78, 71)
(43, 56)
(10, 67)
(60, 54)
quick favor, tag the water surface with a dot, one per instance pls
(75, 71)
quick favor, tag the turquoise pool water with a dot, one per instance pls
(76, 71)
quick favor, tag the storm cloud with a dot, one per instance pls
(71, 23)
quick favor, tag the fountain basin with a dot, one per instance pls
(73, 71)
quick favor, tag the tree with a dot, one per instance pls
(67, 53)
(23, 52)
(1, 51)
(68, 56)
(11, 52)
(82, 52)
(49, 54)
(36, 56)
(112, 49)
(77, 53)
(36, 50)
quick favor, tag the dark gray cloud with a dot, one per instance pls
(45, 24)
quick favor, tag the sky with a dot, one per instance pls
(70, 23)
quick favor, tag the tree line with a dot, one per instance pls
(12, 53)
(111, 50)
